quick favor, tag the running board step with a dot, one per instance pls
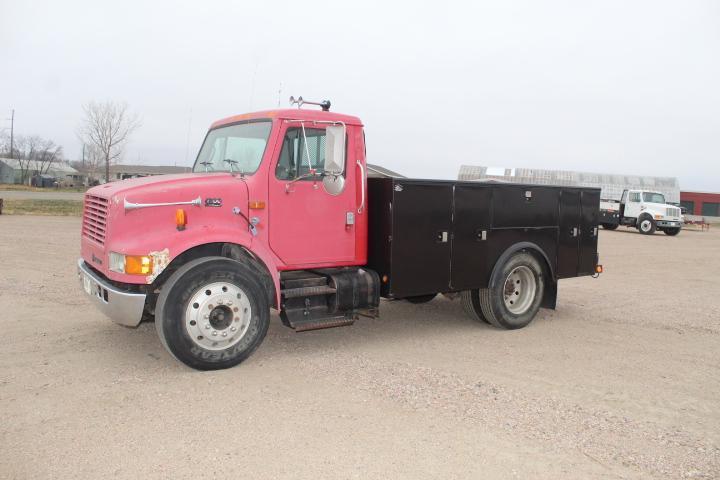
(308, 291)
(320, 323)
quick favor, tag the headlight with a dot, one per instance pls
(130, 264)
(658, 217)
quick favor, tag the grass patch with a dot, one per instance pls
(26, 188)
(43, 207)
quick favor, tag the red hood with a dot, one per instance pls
(113, 188)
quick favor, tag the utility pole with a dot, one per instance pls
(12, 132)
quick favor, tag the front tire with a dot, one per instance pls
(515, 292)
(672, 231)
(212, 313)
(646, 225)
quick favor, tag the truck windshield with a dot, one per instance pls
(235, 148)
(652, 197)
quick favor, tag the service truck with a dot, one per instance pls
(279, 213)
(643, 209)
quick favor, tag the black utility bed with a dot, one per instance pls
(428, 236)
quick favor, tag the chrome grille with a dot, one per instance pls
(673, 212)
(95, 218)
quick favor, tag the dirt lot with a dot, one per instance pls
(621, 381)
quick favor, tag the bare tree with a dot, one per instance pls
(24, 151)
(46, 153)
(107, 127)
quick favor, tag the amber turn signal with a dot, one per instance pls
(180, 219)
(256, 204)
(598, 269)
(138, 265)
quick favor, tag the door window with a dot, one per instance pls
(296, 157)
(634, 196)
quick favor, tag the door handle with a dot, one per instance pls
(362, 187)
(574, 232)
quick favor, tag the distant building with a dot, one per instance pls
(701, 203)
(122, 172)
(10, 172)
(378, 171)
(611, 185)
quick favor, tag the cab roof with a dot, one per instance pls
(290, 113)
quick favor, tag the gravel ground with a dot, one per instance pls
(621, 381)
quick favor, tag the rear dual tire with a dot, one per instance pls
(513, 296)
(610, 226)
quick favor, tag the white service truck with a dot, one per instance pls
(643, 209)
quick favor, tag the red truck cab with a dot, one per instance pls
(276, 215)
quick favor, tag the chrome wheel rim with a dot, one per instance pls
(645, 225)
(218, 316)
(519, 290)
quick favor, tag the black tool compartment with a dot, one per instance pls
(430, 236)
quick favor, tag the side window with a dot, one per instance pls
(297, 158)
(634, 196)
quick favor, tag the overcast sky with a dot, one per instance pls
(607, 86)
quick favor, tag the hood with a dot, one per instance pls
(153, 183)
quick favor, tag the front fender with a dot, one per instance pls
(174, 245)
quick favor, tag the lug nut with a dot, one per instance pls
(220, 301)
(233, 329)
(214, 333)
(224, 334)
(207, 326)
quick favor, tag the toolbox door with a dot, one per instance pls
(590, 211)
(471, 219)
(569, 234)
(422, 225)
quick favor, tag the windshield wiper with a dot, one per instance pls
(232, 164)
(206, 165)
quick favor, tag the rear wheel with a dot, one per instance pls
(471, 305)
(672, 231)
(212, 313)
(646, 225)
(515, 292)
(610, 226)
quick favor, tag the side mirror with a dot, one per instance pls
(333, 181)
(334, 150)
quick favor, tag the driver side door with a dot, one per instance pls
(309, 226)
(632, 205)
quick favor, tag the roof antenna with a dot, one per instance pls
(325, 104)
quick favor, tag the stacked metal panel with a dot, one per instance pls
(611, 185)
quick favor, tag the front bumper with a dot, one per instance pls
(669, 223)
(121, 306)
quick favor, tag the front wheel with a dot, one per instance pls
(212, 313)
(646, 225)
(515, 292)
(672, 231)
